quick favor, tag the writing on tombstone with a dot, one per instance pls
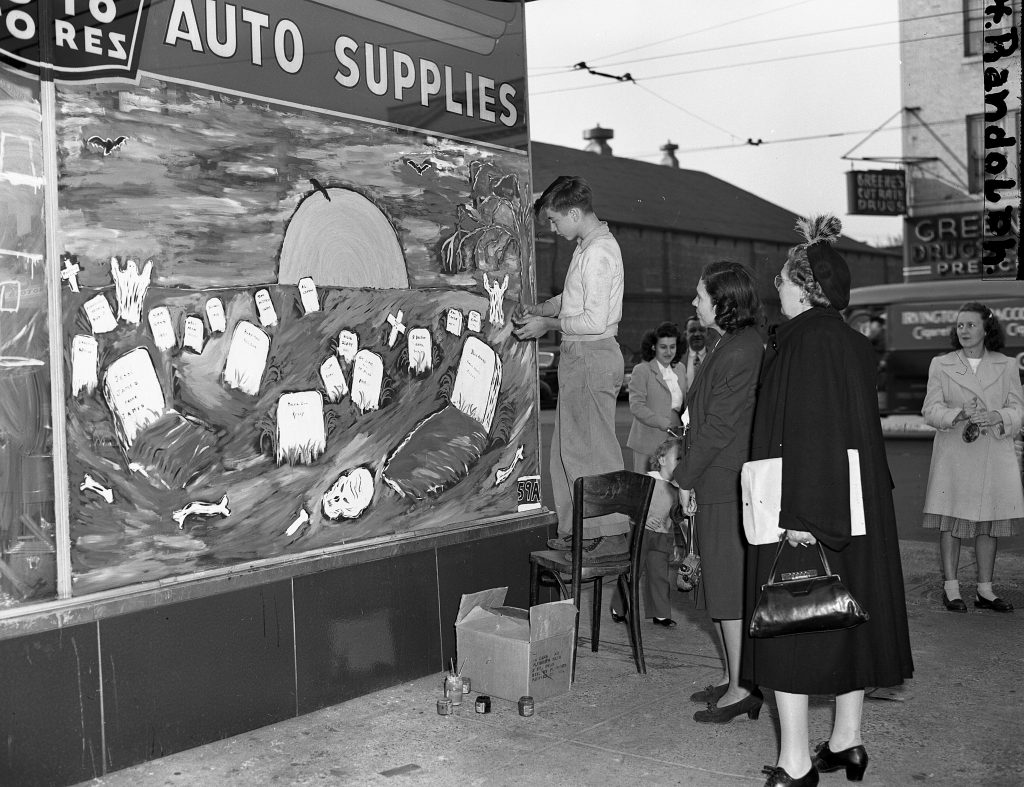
(133, 393)
(474, 321)
(477, 382)
(265, 309)
(367, 380)
(84, 364)
(421, 350)
(160, 324)
(247, 358)
(193, 338)
(334, 379)
(348, 345)
(301, 434)
(307, 292)
(100, 315)
(215, 314)
(453, 322)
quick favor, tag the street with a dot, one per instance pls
(908, 462)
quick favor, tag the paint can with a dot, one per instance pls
(483, 704)
(453, 689)
(526, 706)
(444, 707)
(467, 685)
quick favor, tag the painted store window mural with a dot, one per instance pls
(287, 238)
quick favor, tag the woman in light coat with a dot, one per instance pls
(657, 393)
(975, 402)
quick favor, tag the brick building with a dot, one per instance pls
(942, 43)
(670, 222)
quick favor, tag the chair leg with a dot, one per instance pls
(636, 638)
(575, 640)
(534, 583)
(595, 616)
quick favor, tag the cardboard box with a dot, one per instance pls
(510, 652)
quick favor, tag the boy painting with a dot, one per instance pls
(590, 369)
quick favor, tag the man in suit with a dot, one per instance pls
(696, 336)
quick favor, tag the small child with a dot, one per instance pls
(658, 540)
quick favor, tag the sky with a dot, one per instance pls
(811, 79)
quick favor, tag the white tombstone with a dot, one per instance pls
(265, 308)
(101, 316)
(477, 382)
(85, 352)
(474, 321)
(367, 380)
(160, 324)
(348, 345)
(421, 350)
(194, 333)
(133, 393)
(307, 292)
(215, 314)
(247, 358)
(334, 379)
(453, 322)
(301, 434)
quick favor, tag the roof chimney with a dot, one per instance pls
(669, 159)
(599, 140)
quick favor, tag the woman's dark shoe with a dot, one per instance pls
(954, 604)
(995, 604)
(751, 705)
(710, 694)
(666, 622)
(777, 777)
(854, 759)
(618, 618)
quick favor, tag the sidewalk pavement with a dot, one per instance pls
(958, 721)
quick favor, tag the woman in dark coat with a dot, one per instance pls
(720, 410)
(817, 399)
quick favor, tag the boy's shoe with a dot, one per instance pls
(605, 549)
(563, 543)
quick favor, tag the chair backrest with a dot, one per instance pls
(618, 492)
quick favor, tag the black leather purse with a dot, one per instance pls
(804, 602)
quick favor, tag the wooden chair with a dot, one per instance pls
(619, 492)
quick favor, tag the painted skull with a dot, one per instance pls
(350, 495)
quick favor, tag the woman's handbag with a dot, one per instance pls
(685, 557)
(804, 602)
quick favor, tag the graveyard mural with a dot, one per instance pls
(282, 334)
(286, 268)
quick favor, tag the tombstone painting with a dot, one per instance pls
(304, 359)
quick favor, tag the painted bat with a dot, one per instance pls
(199, 508)
(108, 146)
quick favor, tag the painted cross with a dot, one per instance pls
(397, 327)
(71, 270)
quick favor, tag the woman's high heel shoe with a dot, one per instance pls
(720, 714)
(779, 777)
(854, 759)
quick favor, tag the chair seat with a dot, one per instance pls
(561, 562)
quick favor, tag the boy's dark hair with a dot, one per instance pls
(733, 293)
(995, 340)
(565, 192)
(649, 342)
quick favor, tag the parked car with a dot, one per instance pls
(547, 365)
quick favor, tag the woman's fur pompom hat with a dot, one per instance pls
(829, 268)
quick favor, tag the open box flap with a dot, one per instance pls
(550, 620)
(486, 621)
(485, 598)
